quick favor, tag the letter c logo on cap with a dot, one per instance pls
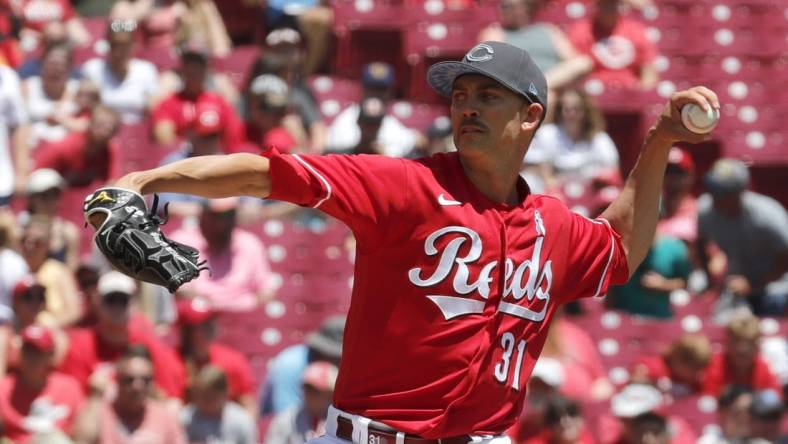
(480, 53)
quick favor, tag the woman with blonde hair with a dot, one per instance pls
(575, 144)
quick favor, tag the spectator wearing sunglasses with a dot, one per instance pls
(37, 402)
(92, 350)
(134, 414)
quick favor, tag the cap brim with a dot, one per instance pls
(441, 77)
(324, 346)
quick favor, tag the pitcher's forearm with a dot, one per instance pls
(218, 176)
(635, 212)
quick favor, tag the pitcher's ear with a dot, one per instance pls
(532, 116)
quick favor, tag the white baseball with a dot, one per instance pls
(699, 121)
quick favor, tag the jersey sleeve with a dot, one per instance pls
(366, 192)
(596, 258)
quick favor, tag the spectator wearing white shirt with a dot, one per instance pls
(50, 96)
(393, 138)
(13, 135)
(127, 85)
(575, 145)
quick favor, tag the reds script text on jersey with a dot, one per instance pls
(453, 293)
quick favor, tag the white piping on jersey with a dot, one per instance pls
(609, 258)
(319, 176)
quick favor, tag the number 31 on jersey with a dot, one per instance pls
(502, 368)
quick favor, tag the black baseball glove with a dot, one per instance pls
(130, 238)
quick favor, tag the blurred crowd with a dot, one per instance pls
(90, 355)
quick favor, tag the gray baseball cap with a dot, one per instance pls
(509, 65)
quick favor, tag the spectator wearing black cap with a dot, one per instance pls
(752, 230)
(393, 137)
(35, 400)
(198, 349)
(734, 420)
(283, 385)
(177, 114)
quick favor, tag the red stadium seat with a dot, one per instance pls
(417, 115)
(334, 94)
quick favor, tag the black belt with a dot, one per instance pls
(377, 435)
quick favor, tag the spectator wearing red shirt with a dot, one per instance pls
(92, 350)
(266, 109)
(36, 401)
(679, 370)
(197, 324)
(740, 363)
(82, 158)
(621, 52)
(174, 116)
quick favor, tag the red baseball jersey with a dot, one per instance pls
(453, 293)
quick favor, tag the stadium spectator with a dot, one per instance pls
(740, 362)
(13, 136)
(396, 140)
(35, 400)
(267, 107)
(240, 275)
(679, 370)
(13, 265)
(752, 230)
(622, 54)
(370, 119)
(564, 424)
(85, 100)
(29, 299)
(212, 416)
(37, 14)
(167, 25)
(134, 415)
(127, 85)
(281, 59)
(203, 138)
(44, 189)
(92, 350)
(549, 47)
(547, 381)
(439, 139)
(665, 269)
(734, 418)
(82, 158)
(54, 34)
(575, 145)
(94, 286)
(570, 345)
(283, 385)
(299, 424)
(679, 212)
(640, 417)
(50, 95)
(767, 412)
(62, 301)
(198, 349)
(175, 115)
(313, 18)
